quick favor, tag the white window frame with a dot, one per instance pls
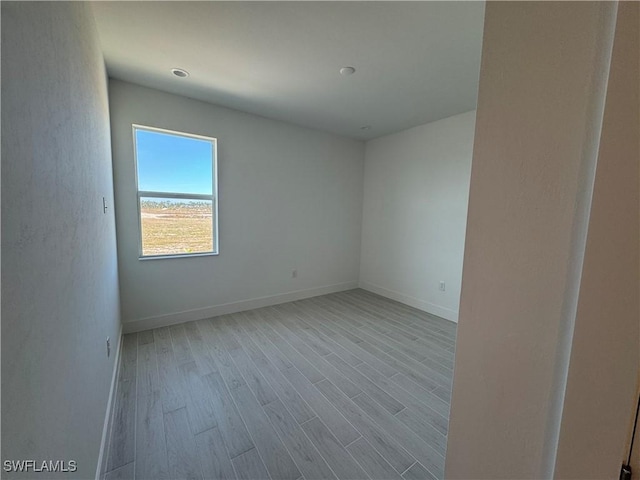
(186, 196)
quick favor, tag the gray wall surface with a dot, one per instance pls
(416, 190)
(547, 346)
(59, 267)
(290, 198)
(605, 347)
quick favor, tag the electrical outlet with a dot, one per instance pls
(108, 347)
(294, 273)
(442, 286)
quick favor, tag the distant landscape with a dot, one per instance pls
(171, 227)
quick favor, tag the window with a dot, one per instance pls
(177, 193)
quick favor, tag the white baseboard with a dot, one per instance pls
(215, 310)
(446, 313)
(107, 418)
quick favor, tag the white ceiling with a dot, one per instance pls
(415, 62)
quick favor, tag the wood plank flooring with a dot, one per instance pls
(344, 386)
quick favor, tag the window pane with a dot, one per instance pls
(173, 163)
(176, 226)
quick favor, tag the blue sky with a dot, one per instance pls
(172, 163)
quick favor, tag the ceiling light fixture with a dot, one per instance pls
(347, 71)
(179, 72)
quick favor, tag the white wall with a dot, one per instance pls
(59, 265)
(416, 191)
(527, 281)
(290, 198)
(602, 368)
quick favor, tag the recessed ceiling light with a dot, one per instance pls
(366, 127)
(347, 71)
(178, 72)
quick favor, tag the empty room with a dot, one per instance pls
(320, 240)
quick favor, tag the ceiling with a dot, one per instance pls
(415, 62)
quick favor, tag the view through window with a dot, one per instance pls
(177, 190)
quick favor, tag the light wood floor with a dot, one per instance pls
(348, 385)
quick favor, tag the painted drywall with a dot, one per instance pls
(59, 262)
(541, 96)
(416, 189)
(603, 365)
(289, 198)
(633, 460)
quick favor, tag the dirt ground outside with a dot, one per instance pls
(172, 228)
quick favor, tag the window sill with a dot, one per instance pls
(185, 255)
